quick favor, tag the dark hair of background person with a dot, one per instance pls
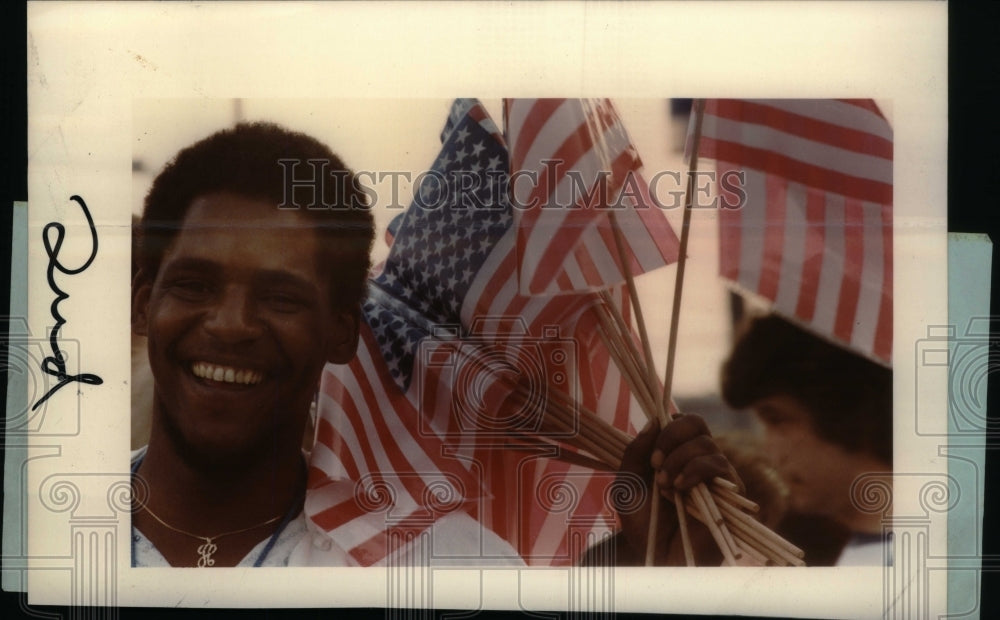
(849, 397)
(244, 160)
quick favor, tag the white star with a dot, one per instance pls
(463, 133)
(494, 162)
(393, 364)
(477, 148)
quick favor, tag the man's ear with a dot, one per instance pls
(142, 287)
(344, 343)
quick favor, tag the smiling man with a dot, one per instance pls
(242, 303)
(247, 283)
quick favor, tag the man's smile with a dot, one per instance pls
(218, 373)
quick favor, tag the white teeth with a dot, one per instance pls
(226, 374)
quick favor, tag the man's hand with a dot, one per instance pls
(680, 456)
(685, 455)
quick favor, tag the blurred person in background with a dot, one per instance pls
(827, 418)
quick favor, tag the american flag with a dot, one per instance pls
(814, 235)
(423, 412)
(574, 165)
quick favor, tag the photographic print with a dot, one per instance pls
(481, 337)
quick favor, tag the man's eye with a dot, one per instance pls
(192, 289)
(283, 302)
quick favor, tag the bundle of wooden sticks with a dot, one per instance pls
(719, 506)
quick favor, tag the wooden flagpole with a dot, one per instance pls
(659, 411)
(668, 378)
(698, 109)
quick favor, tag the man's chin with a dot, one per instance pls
(217, 457)
(221, 451)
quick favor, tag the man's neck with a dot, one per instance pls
(208, 497)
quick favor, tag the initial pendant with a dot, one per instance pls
(205, 551)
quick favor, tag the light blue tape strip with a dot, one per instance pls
(969, 315)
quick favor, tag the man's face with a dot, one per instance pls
(818, 473)
(240, 321)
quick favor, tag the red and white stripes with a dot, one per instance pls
(572, 166)
(814, 235)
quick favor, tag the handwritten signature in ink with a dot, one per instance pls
(55, 364)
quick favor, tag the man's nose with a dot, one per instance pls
(234, 319)
(775, 451)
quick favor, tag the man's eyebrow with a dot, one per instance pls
(191, 264)
(270, 277)
(280, 277)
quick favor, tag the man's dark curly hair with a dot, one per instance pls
(244, 160)
(849, 397)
